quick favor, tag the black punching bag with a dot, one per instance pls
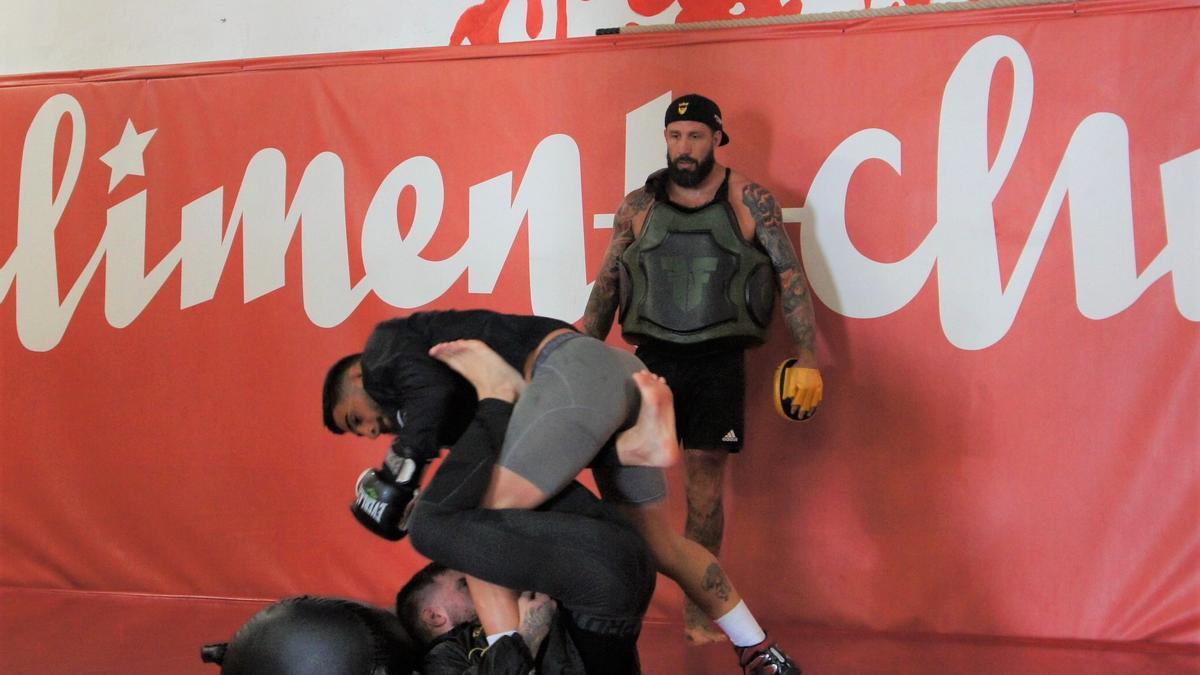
(309, 635)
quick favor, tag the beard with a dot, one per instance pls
(690, 178)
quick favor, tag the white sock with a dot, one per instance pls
(493, 638)
(739, 624)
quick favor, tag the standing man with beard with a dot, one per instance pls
(694, 262)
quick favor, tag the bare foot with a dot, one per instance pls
(652, 441)
(483, 368)
(697, 629)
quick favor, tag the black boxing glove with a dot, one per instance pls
(382, 497)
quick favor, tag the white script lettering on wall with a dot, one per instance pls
(976, 308)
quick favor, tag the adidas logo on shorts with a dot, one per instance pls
(730, 437)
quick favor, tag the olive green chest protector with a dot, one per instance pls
(691, 277)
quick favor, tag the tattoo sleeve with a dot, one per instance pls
(603, 300)
(793, 285)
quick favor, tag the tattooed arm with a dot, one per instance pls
(803, 384)
(537, 613)
(797, 302)
(602, 303)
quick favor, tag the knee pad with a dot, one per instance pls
(308, 635)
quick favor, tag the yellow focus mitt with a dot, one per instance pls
(798, 391)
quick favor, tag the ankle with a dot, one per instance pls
(503, 391)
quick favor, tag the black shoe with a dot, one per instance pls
(765, 658)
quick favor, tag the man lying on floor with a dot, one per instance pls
(435, 608)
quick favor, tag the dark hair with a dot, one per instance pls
(412, 596)
(332, 393)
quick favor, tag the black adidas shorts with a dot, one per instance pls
(710, 395)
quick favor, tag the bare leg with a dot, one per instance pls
(688, 564)
(651, 441)
(495, 605)
(483, 368)
(705, 526)
(510, 490)
(493, 378)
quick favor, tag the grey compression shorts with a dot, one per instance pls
(580, 396)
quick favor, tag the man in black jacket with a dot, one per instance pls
(435, 607)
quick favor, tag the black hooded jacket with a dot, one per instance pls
(429, 403)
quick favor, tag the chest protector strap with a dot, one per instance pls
(691, 277)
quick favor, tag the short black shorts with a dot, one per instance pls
(710, 395)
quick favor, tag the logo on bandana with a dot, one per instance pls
(683, 107)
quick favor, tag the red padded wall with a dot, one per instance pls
(1011, 455)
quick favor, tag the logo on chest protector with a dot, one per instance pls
(689, 278)
(372, 507)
